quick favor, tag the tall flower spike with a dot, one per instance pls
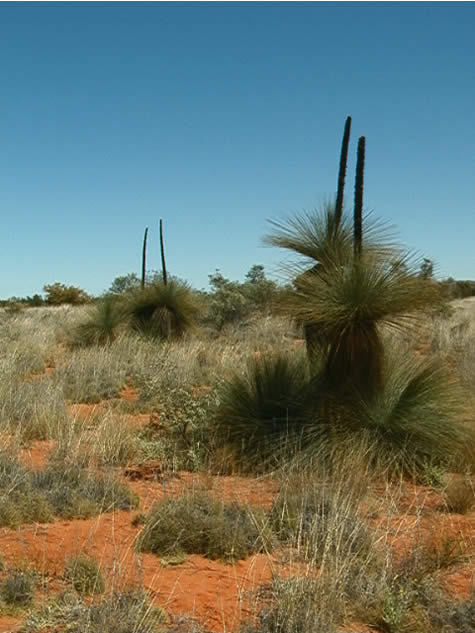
(358, 209)
(342, 173)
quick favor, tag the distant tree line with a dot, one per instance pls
(226, 302)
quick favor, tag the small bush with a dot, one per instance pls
(184, 438)
(85, 575)
(18, 588)
(198, 524)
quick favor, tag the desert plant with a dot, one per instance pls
(197, 524)
(162, 310)
(18, 588)
(84, 574)
(122, 612)
(101, 324)
(262, 413)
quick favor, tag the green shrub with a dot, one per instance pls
(198, 524)
(84, 574)
(18, 588)
(184, 438)
(58, 293)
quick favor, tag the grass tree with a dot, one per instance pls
(353, 285)
(163, 311)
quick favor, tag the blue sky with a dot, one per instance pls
(219, 116)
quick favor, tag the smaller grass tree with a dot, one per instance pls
(163, 311)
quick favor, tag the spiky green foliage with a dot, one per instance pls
(346, 305)
(262, 412)
(101, 325)
(415, 420)
(163, 311)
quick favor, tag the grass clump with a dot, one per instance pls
(122, 612)
(84, 575)
(91, 375)
(262, 412)
(320, 521)
(62, 490)
(18, 588)
(163, 311)
(198, 524)
(100, 326)
(75, 493)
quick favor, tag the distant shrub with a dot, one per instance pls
(58, 294)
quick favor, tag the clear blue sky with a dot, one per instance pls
(219, 116)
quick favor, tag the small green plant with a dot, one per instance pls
(84, 574)
(18, 588)
(198, 524)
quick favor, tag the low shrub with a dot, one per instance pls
(122, 612)
(197, 524)
(18, 588)
(84, 575)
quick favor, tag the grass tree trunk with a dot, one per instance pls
(358, 209)
(144, 258)
(162, 251)
(342, 173)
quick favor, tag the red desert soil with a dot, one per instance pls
(215, 593)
